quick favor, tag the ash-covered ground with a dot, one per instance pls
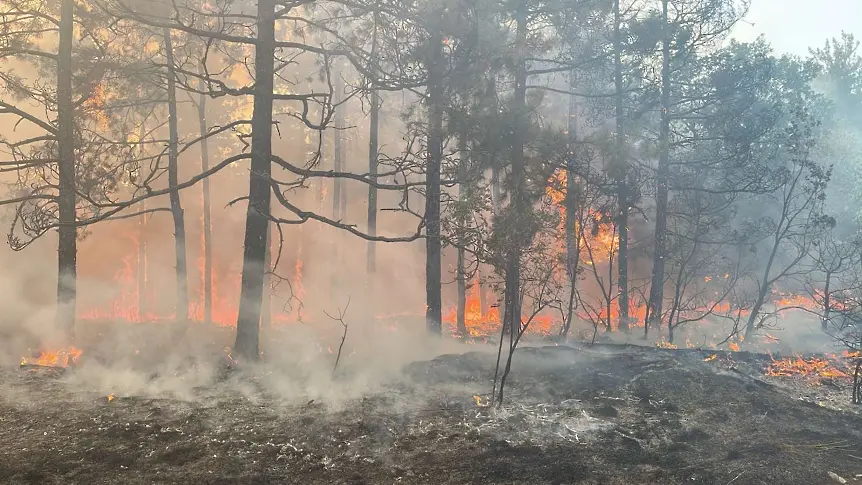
(598, 415)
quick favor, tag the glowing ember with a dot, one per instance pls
(664, 344)
(57, 358)
(734, 347)
(711, 357)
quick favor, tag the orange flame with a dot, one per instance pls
(813, 367)
(602, 243)
(479, 323)
(794, 300)
(56, 358)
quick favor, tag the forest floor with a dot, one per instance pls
(600, 415)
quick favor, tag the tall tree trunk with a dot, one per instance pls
(373, 153)
(496, 196)
(496, 206)
(142, 261)
(621, 178)
(67, 247)
(337, 147)
(461, 269)
(491, 159)
(182, 302)
(266, 311)
(433, 263)
(656, 294)
(142, 242)
(207, 208)
(247, 344)
(519, 199)
(337, 182)
(496, 189)
(571, 204)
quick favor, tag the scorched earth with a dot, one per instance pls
(586, 415)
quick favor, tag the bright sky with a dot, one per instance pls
(793, 26)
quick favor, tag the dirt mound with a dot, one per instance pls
(593, 416)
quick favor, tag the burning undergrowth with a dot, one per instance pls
(53, 358)
(601, 414)
(817, 368)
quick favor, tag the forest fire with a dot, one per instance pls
(479, 321)
(792, 300)
(816, 368)
(202, 190)
(54, 358)
(637, 314)
(134, 293)
(597, 241)
(482, 323)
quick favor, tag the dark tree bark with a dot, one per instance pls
(207, 208)
(182, 302)
(461, 269)
(373, 154)
(496, 199)
(247, 344)
(67, 247)
(496, 204)
(656, 297)
(142, 260)
(266, 306)
(338, 196)
(520, 203)
(496, 189)
(433, 263)
(623, 195)
(142, 246)
(857, 382)
(337, 148)
(571, 202)
(765, 285)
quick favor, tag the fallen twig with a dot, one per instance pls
(629, 437)
(736, 477)
(340, 319)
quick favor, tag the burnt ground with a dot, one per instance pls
(604, 415)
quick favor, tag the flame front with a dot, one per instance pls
(55, 358)
(479, 323)
(812, 367)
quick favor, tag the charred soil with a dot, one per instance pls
(593, 416)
